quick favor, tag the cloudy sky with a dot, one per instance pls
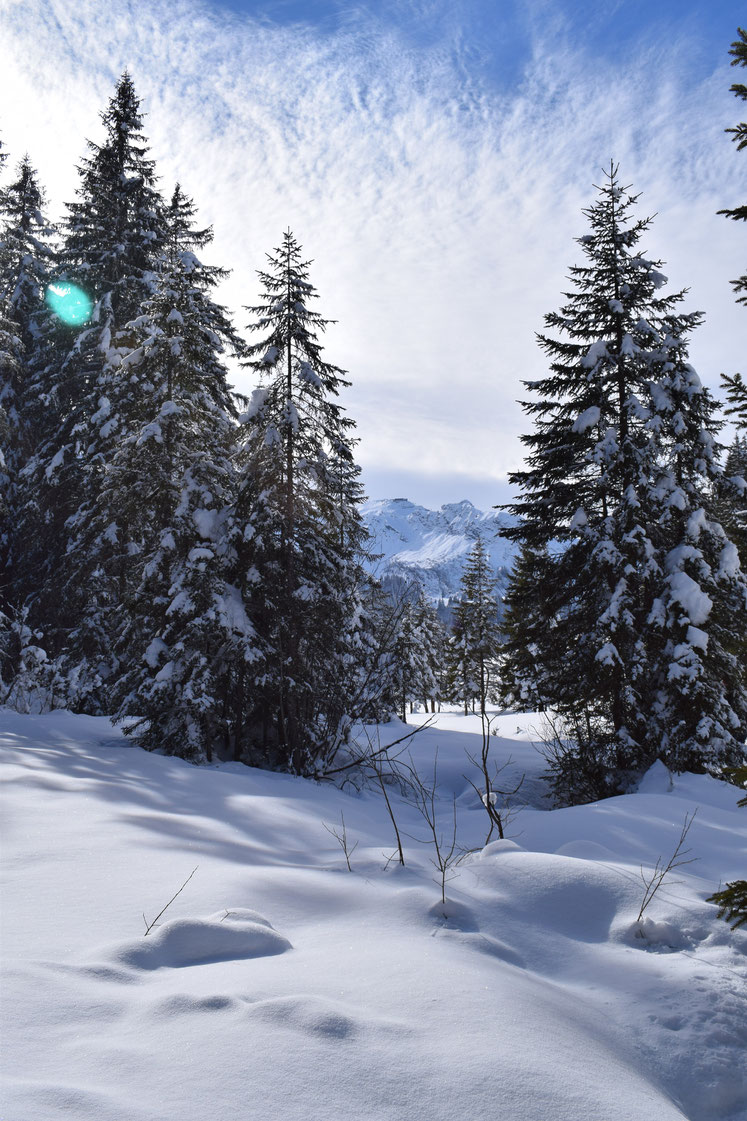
(433, 157)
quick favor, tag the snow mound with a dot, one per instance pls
(48, 1100)
(486, 944)
(658, 934)
(454, 915)
(317, 1016)
(185, 1004)
(224, 936)
(496, 847)
(564, 895)
(585, 850)
(657, 780)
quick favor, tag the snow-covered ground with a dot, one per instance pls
(279, 984)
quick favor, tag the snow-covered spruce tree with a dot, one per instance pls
(7, 370)
(472, 652)
(417, 654)
(526, 679)
(11, 376)
(178, 628)
(113, 246)
(26, 258)
(731, 496)
(374, 695)
(299, 532)
(28, 679)
(616, 527)
(434, 639)
(698, 620)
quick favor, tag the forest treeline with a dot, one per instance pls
(174, 555)
(193, 563)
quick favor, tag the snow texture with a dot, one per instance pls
(596, 351)
(279, 984)
(205, 521)
(587, 419)
(154, 652)
(691, 597)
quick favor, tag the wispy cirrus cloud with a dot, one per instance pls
(440, 206)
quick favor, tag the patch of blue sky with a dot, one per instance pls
(492, 41)
(433, 158)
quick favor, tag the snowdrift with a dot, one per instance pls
(279, 984)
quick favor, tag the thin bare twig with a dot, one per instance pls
(489, 796)
(445, 849)
(377, 769)
(149, 926)
(653, 882)
(359, 760)
(342, 840)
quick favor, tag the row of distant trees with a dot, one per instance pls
(458, 664)
(194, 563)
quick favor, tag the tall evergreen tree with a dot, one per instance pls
(7, 371)
(434, 638)
(181, 628)
(527, 680)
(698, 619)
(629, 626)
(375, 695)
(28, 254)
(299, 529)
(26, 258)
(418, 653)
(731, 496)
(472, 654)
(113, 250)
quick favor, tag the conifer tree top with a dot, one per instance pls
(291, 321)
(115, 227)
(616, 332)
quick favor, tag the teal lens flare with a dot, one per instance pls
(69, 302)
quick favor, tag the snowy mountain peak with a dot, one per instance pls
(413, 544)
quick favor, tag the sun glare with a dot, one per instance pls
(69, 302)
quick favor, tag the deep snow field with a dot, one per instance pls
(280, 985)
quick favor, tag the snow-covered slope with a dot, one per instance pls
(431, 546)
(280, 985)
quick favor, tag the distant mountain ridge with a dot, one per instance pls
(430, 547)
